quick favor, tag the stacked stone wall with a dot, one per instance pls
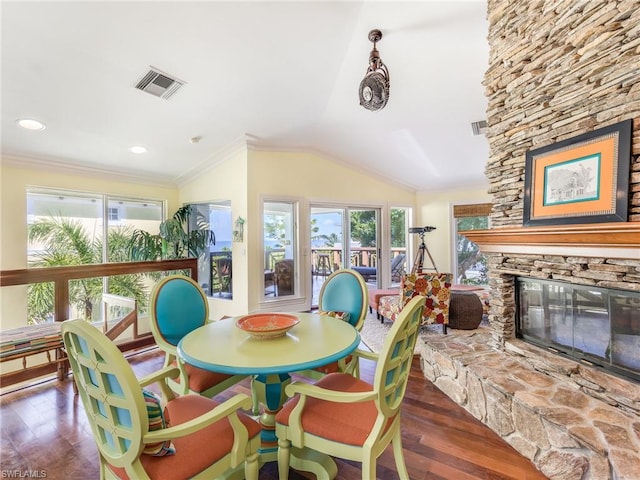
(558, 68)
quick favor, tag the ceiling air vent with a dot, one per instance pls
(479, 128)
(159, 84)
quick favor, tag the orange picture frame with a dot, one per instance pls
(584, 179)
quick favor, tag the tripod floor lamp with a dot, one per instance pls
(418, 262)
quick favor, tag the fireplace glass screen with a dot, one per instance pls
(597, 325)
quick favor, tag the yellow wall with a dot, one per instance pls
(226, 181)
(245, 177)
(13, 226)
(436, 209)
(308, 178)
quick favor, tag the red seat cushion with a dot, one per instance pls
(197, 451)
(348, 423)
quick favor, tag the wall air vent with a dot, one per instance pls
(479, 128)
(159, 84)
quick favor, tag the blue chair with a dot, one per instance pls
(343, 292)
(177, 306)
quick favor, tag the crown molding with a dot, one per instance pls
(72, 168)
(214, 159)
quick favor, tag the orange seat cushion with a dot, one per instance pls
(333, 366)
(348, 423)
(201, 379)
(194, 452)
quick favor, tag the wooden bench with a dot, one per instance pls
(25, 342)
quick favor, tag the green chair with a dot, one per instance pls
(177, 306)
(136, 438)
(343, 292)
(345, 417)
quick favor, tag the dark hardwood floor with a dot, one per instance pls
(44, 432)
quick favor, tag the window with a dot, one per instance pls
(471, 264)
(113, 214)
(68, 228)
(280, 249)
(215, 265)
(399, 226)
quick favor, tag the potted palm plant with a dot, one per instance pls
(175, 239)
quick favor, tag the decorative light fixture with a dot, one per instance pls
(374, 88)
(30, 124)
(138, 149)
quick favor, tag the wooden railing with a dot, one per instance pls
(60, 276)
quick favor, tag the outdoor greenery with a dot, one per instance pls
(470, 259)
(176, 238)
(66, 243)
(363, 227)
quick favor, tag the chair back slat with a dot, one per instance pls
(394, 362)
(109, 390)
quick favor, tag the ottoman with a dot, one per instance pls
(376, 295)
(465, 310)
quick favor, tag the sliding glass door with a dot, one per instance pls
(343, 237)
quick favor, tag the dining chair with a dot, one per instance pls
(139, 439)
(177, 306)
(344, 294)
(346, 417)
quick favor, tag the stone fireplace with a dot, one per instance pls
(557, 69)
(593, 325)
(572, 419)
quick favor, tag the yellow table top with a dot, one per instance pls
(223, 347)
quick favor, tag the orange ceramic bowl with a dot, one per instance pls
(267, 325)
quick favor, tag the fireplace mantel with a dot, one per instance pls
(608, 240)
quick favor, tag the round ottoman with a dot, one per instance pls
(465, 310)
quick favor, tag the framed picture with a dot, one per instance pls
(584, 179)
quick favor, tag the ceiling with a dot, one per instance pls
(274, 75)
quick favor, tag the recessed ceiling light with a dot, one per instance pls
(30, 124)
(137, 149)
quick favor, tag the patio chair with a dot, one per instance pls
(283, 276)
(397, 264)
(345, 417)
(177, 306)
(130, 427)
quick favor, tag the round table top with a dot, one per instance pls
(223, 347)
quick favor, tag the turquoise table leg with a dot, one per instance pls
(270, 392)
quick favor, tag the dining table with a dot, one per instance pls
(315, 340)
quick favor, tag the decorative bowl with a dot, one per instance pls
(267, 325)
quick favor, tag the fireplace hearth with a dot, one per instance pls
(597, 326)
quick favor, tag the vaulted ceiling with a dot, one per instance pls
(276, 75)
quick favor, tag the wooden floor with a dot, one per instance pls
(44, 430)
